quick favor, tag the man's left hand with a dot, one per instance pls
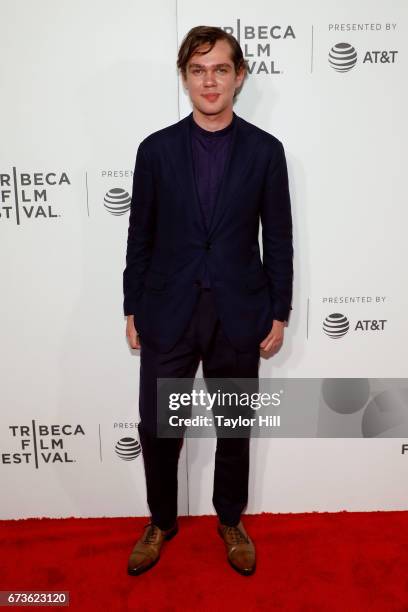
(274, 340)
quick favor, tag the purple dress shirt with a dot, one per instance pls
(210, 151)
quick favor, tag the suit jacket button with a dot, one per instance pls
(197, 283)
(208, 246)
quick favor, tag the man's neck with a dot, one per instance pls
(212, 123)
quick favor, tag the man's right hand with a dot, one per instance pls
(131, 333)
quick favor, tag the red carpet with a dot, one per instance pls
(348, 561)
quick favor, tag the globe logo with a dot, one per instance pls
(336, 325)
(128, 449)
(342, 57)
(117, 201)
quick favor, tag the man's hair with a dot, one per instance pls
(208, 35)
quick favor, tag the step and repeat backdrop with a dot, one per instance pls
(83, 84)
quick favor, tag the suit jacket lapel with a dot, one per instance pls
(184, 171)
(231, 176)
(236, 161)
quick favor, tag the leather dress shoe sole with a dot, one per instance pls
(143, 569)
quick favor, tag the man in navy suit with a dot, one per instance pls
(195, 287)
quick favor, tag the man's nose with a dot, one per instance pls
(209, 78)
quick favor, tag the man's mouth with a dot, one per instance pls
(211, 97)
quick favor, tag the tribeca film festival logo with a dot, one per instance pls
(40, 443)
(257, 41)
(117, 200)
(27, 196)
(127, 448)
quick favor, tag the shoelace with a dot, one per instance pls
(236, 535)
(150, 534)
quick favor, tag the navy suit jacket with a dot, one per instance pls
(168, 244)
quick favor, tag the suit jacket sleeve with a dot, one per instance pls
(140, 232)
(276, 220)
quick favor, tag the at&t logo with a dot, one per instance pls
(343, 57)
(336, 325)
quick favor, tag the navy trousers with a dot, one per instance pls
(203, 339)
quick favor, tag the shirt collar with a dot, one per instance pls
(199, 130)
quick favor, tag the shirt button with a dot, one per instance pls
(207, 246)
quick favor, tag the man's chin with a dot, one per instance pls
(210, 109)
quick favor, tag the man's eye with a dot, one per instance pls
(222, 70)
(197, 71)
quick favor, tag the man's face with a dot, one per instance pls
(211, 79)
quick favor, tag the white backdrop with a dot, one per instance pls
(83, 84)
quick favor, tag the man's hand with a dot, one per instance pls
(274, 340)
(131, 333)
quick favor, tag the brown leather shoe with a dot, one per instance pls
(146, 551)
(240, 548)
